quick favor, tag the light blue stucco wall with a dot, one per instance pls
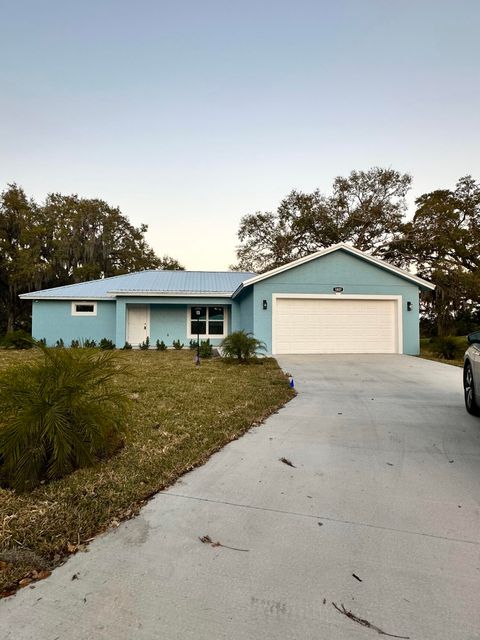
(169, 317)
(52, 320)
(247, 310)
(342, 269)
(167, 323)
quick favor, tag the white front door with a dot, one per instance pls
(138, 320)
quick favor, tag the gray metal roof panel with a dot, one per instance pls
(161, 282)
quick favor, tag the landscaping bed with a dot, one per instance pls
(180, 415)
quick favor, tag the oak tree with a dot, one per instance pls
(64, 240)
(365, 209)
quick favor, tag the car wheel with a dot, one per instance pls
(469, 390)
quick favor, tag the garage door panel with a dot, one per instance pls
(341, 325)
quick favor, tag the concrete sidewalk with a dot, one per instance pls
(386, 486)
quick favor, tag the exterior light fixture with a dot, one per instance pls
(265, 305)
(409, 306)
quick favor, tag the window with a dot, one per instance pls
(209, 322)
(84, 308)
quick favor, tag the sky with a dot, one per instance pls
(189, 115)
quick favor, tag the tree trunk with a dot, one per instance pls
(444, 319)
(11, 308)
(10, 320)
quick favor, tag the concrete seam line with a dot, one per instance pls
(317, 517)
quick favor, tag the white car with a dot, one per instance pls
(471, 374)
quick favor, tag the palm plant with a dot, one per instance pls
(241, 346)
(59, 413)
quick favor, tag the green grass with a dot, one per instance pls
(180, 415)
(426, 351)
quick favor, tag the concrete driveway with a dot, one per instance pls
(386, 486)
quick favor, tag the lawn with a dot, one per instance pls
(427, 351)
(180, 415)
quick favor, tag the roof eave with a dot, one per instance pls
(113, 295)
(238, 289)
(172, 294)
(32, 296)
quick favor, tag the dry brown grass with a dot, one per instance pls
(427, 351)
(181, 414)
(428, 355)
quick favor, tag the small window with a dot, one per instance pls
(207, 322)
(84, 308)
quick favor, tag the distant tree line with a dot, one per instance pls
(368, 209)
(63, 240)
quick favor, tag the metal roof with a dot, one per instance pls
(188, 283)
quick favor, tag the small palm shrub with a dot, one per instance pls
(205, 349)
(89, 344)
(17, 340)
(75, 344)
(145, 345)
(192, 345)
(59, 413)
(177, 344)
(60, 343)
(448, 347)
(127, 346)
(241, 346)
(106, 344)
(161, 346)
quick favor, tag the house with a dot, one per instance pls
(338, 300)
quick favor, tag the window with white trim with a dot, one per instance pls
(84, 308)
(209, 323)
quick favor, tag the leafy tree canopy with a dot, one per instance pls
(442, 243)
(64, 240)
(366, 209)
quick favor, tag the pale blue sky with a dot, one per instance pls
(188, 115)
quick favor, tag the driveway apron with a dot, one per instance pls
(374, 525)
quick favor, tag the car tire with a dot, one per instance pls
(471, 404)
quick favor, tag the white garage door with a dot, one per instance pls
(335, 325)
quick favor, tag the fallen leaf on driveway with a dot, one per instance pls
(287, 461)
(365, 623)
(40, 575)
(24, 581)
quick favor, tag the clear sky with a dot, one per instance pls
(188, 115)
